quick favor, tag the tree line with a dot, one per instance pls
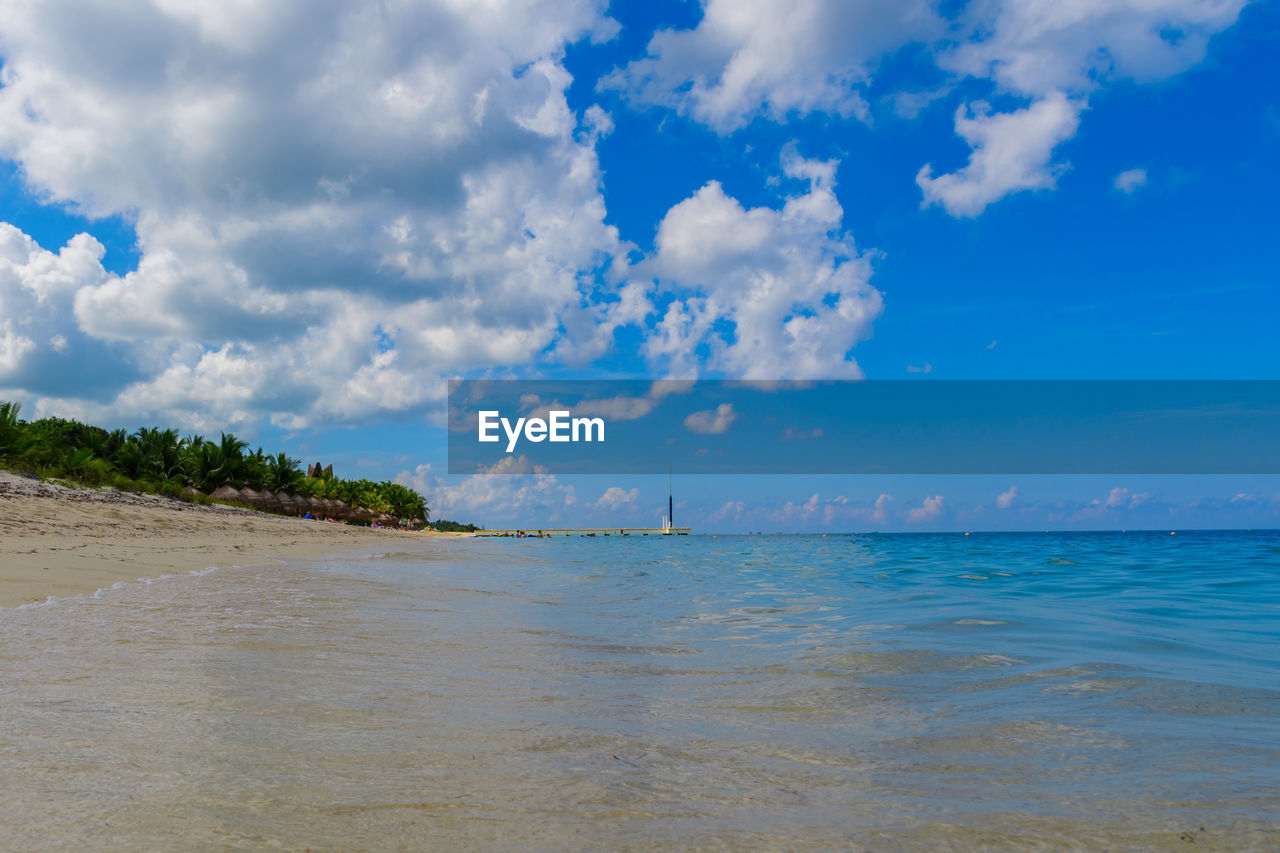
(161, 461)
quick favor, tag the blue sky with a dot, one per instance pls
(299, 221)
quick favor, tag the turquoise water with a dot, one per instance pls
(888, 692)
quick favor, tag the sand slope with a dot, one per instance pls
(61, 541)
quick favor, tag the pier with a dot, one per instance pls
(538, 533)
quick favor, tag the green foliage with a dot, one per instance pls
(282, 473)
(157, 460)
(444, 525)
(10, 429)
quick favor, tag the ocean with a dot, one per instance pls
(1057, 691)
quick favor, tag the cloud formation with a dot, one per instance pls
(1130, 180)
(712, 421)
(928, 510)
(333, 205)
(771, 59)
(1011, 153)
(762, 293)
(774, 58)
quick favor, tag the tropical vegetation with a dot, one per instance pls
(161, 461)
(444, 525)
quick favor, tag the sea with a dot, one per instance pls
(933, 692)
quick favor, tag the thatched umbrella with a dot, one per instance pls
(341, 511)
(261, 500)
(257, 500)
(364, 514)
(226, 493)
(288, 503)
(384, 518)
(316, 506)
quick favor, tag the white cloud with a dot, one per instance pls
(920, 368)
(1011, 153)
(792, 289)
(748, 58)
(1005, 499)
(41, 346)
(615, 498)
(712, 421)
(931, 508)
(773, 57)
(1037, 47)
(1055, 52)
(1130, 180)
(1119, 498)
(495, 498)
(333, 209)
(791, 511)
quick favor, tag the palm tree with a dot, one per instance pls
(10, 429)
(232, 450)
(283, 473)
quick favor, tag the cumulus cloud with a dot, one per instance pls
(615, 498)
(1130, 181)
(1037, 48)
(41, 347)
(929, 509)
(334, 207)
(1120, 498)
(1055, 53)
(1011, 153)
(778, 59)
(791, 511)
(503, 495)
(711, 421)
(773, 57)
(1005, 499)
(760, 292)
(880, 511)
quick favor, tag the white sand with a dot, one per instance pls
(61, 541)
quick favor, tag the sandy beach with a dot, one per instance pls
(62, 541)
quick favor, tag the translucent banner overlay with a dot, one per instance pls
(873, 427)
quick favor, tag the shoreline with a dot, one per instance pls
(61, 541)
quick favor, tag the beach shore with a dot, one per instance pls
(60, 541)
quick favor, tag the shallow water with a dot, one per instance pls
(891, 692)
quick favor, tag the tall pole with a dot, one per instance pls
(671, 518)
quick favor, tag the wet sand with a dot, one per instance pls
(60, 541)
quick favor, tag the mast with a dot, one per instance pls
(671, 519)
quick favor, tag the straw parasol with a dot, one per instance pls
(226, 493)
(288, 503)
(257, 500)
(267, 501)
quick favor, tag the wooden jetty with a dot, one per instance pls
(537, 533)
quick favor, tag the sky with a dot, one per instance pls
(297, 220)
